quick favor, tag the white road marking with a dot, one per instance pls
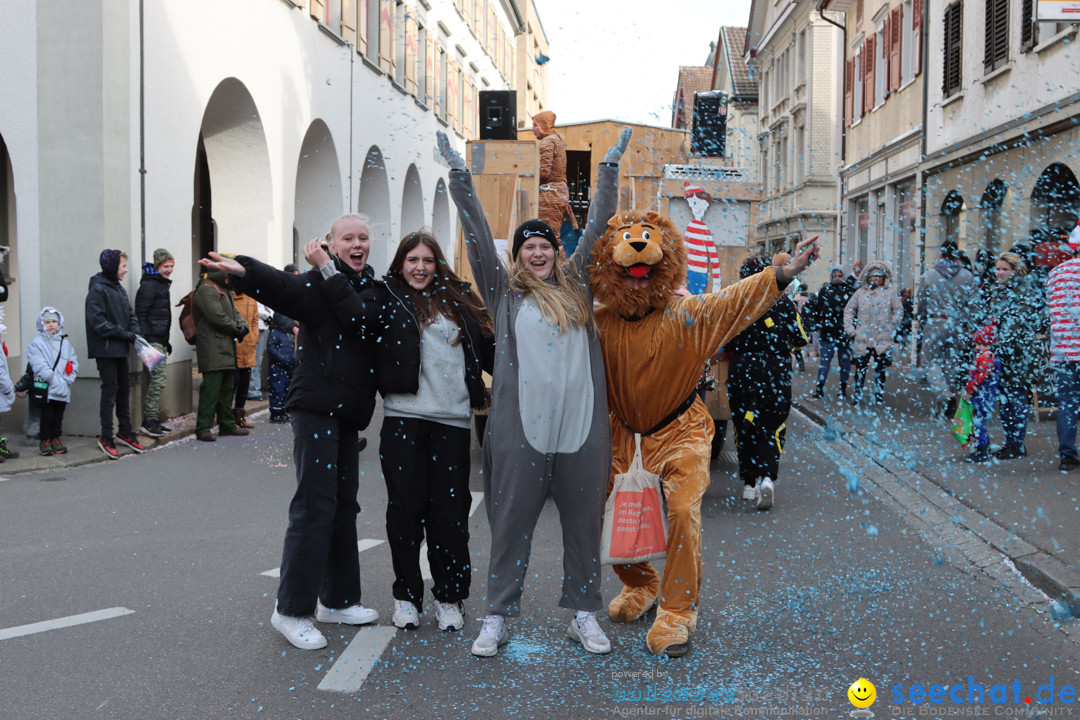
(350, 670)
(69, 621)
(365, 544)
(425, 567)
(4, 479)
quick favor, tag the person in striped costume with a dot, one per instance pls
(1063, 298)
(701, 261)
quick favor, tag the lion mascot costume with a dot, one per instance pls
(655, 344)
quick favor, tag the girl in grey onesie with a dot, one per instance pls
(548, 430)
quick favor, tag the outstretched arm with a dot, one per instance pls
(489, 274)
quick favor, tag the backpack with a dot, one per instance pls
(188, 325)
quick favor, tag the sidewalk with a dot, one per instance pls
(1025, 508)
(83, 449)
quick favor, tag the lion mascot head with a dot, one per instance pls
(639, 263)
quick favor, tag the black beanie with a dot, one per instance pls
(532, 228)
(110, 263)
(752, 266)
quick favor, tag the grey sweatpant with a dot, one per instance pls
(516, 484)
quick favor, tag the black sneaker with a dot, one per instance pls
(151, 428)
(165, 429)
(130, 442)
(279, 418)
(1068, 462)
(6, 454)
(819, 392)
(1011, 452)
(979, 455)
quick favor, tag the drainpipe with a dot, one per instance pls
(922, 144)
(843, 134)
(142, 138)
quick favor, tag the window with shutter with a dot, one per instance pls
(996, 49)
(896, 26)
(952, 75)
(849, 91)
(1028, 27)
(868, 74)
(917, 34)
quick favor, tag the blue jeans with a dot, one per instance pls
(1013, 411)
(1068, 387)
(843, 359)
(982, 407)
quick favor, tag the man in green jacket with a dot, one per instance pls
(219, 327)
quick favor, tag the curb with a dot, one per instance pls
(83, 450)
(1038, 567)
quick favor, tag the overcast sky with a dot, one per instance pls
(620, 59)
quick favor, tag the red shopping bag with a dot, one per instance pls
(635, 522)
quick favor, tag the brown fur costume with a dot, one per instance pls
(655, 344)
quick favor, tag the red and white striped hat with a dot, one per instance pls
(691, 190)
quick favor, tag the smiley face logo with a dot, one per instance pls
(862, 693)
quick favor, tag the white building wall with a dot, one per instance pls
(18, 128)
(71, 121)
(1029, 81)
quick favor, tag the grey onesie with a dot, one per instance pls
(548, 429)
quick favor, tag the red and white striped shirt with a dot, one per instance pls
(1063, 301)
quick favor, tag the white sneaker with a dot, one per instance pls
(492, 637)
(749, 492)
(449, 615)
(765, 494)
(298, 630)
(406, 615)
(353, 615)
(585, 630)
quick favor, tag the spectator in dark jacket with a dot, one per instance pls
(826, 316)
(281, 346)
(219, 327)
(111, 328)
(330, 402)
(759, 382)
(153, 308)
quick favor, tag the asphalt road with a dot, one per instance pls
(831, 585)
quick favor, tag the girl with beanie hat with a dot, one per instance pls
(548, 431)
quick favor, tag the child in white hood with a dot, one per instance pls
(53, 360)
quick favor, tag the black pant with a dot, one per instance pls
(320, 559)
(243, 382)
(115, 390)
(760, 429)
(881, 362)
(52, 420)
(426, 468)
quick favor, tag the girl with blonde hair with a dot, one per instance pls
(548, 431)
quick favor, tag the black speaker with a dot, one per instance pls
(709, 134)
(498, 115)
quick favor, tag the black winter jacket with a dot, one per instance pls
(397, 364)
(761, 354)
(826, 311)
(335, 372)
(153, 308)
(111, 324)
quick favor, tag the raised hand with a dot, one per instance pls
(615, 152)
(216, 261)
(806, 252)
(316, 254)
(449, 154)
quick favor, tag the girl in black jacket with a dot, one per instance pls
(435, 337)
